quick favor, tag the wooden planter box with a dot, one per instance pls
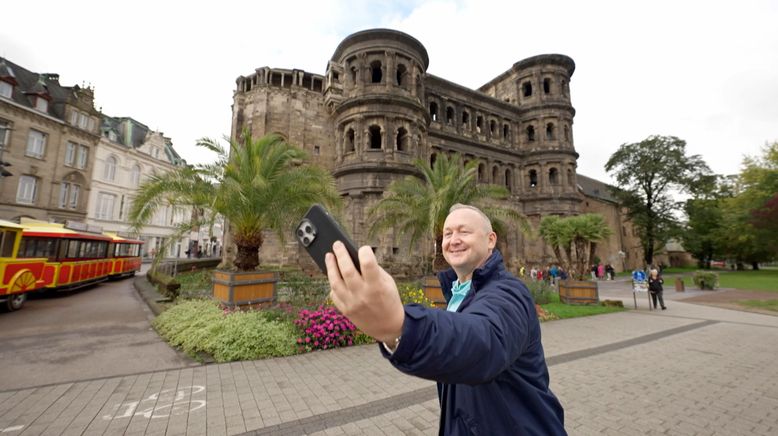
(578, 292)
(244, 288)
(433, 292)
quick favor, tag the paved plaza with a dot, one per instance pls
(689, 370)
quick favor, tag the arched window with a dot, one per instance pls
(135, 175)
(481, 172)
(506, 131)
(374, 132)
(449, 115)
(401, 71)
(376, 75)
(479, 123)
(570, 177)
(434, 111)
(354, 75)
(553, 176)
(508, 179)
(533, 178)
(527, 89)
(109, 171)
(494, 175)
(530, 133)
(433, 158)
(550, 134)
(546, 86)
(402, 139)
(350, 140)
(465, 120)
(492, 127)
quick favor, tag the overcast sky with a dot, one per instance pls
(704, 71)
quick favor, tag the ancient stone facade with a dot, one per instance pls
(376, 110)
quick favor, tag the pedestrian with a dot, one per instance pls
(484, 351)
(655, 288)
(609, 272)
(554, 272)
(600, 271)
(533, 273)
(594, 271)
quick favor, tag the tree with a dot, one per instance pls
(574, 239)
(647, 173)
(702, 232)
(417, 207)
(260, 184)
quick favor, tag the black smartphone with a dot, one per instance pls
(317, 231)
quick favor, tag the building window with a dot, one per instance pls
(41, 104)
(374, 132)
(402, 139)
(449, 115)
(350, 140)
(533, 178)
(481, 172)
(530, 133)
(506, 131)
(68, 195)
(553, 176)
(105, 206)
(550, 134)
(6, 89)
(479, 123)
(433, 158)
(5, 133)
(401, 71)
(546, 86)
(36, 144)
(492, 127)
(567, 133)
(28, 190)
(316, 150)
(83, 156)
(375, 72)
(465, 120)
(135, 175)
(527, 89)
(70, 154)
(434, 111)
(109, 171)
(508, 178)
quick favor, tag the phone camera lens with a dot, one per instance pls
(300, 233)
(306, 240)
(308, 229)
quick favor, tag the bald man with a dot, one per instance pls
(484, 351)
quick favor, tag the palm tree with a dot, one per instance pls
(417, 207)
(577, 237)
(260, 184)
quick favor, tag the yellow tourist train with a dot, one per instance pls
(36, 255)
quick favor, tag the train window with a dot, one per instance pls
(46, 248)
(102, 249)
(73, 249)
(7, 243)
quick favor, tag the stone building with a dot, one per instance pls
(48, 135)
(376, 110)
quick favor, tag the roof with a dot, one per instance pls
(56, 230)
(117, 238)
(595, 188)
(10, 225)
(30, 84)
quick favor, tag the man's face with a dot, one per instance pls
(467, 243)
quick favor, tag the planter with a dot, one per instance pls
(578, 292)
(434, 293)
(244, 288)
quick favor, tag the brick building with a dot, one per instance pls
(376, 110)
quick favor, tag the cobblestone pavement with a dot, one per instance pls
(688, 370)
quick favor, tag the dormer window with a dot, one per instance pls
(82, 120)
(41, 104)
(6, 89)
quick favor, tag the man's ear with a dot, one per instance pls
(492, 240)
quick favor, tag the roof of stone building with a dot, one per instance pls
(595, 188)
(29, 84)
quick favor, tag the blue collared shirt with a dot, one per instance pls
(458, 294)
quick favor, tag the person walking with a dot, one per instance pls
(655, 288)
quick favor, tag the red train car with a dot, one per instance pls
(125, 255)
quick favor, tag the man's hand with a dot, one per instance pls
(369, 300)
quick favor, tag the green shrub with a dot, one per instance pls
(541, 291)
(706, 279)
(166, 284)
(202, 326)
(301, 291)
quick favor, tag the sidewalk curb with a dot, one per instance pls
(149, 293)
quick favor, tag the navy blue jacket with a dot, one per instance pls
(487, 358)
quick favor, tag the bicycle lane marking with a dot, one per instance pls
(179, 401)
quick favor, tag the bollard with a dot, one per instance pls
(679, 285)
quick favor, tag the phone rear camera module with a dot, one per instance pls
(308, 229)
(300, 233)
(306, 241)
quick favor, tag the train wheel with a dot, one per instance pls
(15, 302)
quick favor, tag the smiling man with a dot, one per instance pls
(484, 350)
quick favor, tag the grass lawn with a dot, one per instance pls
(761, 280)
(767, 305)
(564, 311)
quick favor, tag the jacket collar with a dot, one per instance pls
(482, 274)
